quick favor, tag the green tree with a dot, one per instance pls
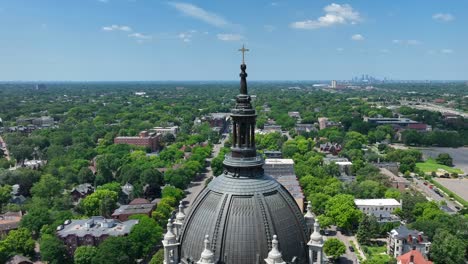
(447, 248)
(444, 159)
(18, 242)
(158, 258)
(101, 202)
(53, 250)
(334, 248)
(48, 187)
(5, 195)
(85, 175)
(84, 254)
(114, 250)
(393, 193)
(145, 235)
(342, 210)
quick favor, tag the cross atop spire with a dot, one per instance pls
(243, 50)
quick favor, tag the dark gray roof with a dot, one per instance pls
(132, 209)
(241, 215)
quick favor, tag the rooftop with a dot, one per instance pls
(376, 202)
(95, 226)
(132, 209)
(417, 258)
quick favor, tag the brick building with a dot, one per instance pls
(137, 206)
(91, 232)
(145, 139)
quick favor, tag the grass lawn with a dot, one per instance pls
(376, 254)
(431, 165)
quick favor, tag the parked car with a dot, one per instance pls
(351, 249)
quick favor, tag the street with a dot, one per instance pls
(348, 257)
(197, 185)
(429, 193)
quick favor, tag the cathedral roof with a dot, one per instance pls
(241, 209)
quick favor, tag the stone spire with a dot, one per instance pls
(171, 245)
(243, 160)
(316, 246)
(274, 256)
(207, 256)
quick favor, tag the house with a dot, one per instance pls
(382, 209)
(9, 221)
(145, 139)
(413, 257)
(403, 240)
(305, 128)
(272, 129)
(343, 164)
(333, 148)
(127, 191)
(294, 114)
(325, 123)
(81, 191)
(92, 231)
(283, 171)
(137, 206)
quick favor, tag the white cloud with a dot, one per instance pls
(117, 28)
(406, 42)
(103, 1)
(200, 14)
(443, 17)
(230, 37)
(185, 36)
(357, 37)
(269, 28)
(140, 36)
(446, 51)
(335, 14)
(340, 49)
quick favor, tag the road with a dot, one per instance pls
(7, 153)
(429, 193)
(197, 185)
(349, 257)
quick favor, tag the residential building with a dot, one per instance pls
(272, 129)
(283, 171)
(9, 221)
(218, 120)
(402, 240)
(273, 154)
(333, 148)
(145, 139)
(413, 257)
(343, 164)
(43, 121)
(305, 128)
(369, 205)
(333, 84)
(294, 114)
(174, 130)
(135, 207)
(324, 122)
(91, 232)
(81, 191)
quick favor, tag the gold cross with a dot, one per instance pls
(243, 50)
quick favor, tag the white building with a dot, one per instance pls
(167, 130)
(368, 206)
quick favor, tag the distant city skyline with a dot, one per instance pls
(139, 40)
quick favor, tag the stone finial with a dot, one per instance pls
(207, 256)
(316, 237)
(309, 213)
(274, 256)
(170, 237)
(180, 216)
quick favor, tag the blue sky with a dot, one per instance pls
(96, 40)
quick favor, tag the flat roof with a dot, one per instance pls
(279, 161)
(376, 202)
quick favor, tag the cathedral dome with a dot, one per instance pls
(241, 215)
